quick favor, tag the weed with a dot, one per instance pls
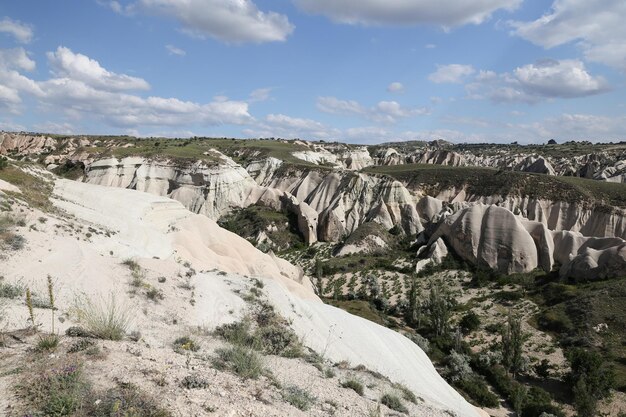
(10, 291)
(407, 394)
(194, 382)
(154, 294)
(47, 343)
(186, 343)
(81, 345)
(298, 397)
(243, 361)
(107, 319)
(393, 402)
(353, 384)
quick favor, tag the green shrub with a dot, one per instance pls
(105, 319)
(125, 400)
(243, 361)
(470, 322)
(478, 391)
(186, 343)
(298, 397)
(194, 382)
(47, 343)
(407, 394)
(353, 384)
(10, 291)
(54, 391)
(394, 402)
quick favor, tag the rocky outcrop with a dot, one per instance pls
(587, 258)
(490, 236)
(345, 202)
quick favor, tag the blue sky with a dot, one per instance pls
(361, 71)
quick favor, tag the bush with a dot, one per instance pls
(15, 242)
(478, 391)
(47, 343)
(3, 163)
(353, 384)
(194, 382)
(407, 394)
(186, 343)
(394, 403)
(470, 322)
(457, 367)
(106, 319)
(591, 379)
(243, 361)
(126, 400)
(54, 391)
(10, 291)
(298, 397)
(279, 340)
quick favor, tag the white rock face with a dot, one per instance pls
(150, 226)
(211, 190)
(587, 258)
(349, 201)
(490, 236)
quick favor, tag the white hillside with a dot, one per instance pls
(161, 235)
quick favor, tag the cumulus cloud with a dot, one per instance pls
(447, 13)
(568, 126)
(229, 21)
(23, 33)
(396, 87)
(452, 73)
(172, 50)
(597, 25)
(16, 58)
(383, 111)
(82, 88)
(67, 64)
(534, 82)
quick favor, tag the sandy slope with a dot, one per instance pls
(162, 235)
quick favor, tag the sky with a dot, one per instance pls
(357, 71)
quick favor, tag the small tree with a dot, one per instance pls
(512, 345)
(3, 163)
(413, 313)
(439, 307)
(591, 380)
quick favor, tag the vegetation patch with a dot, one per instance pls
(298, 397)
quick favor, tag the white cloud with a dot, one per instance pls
(334, 105)
(175, 51)
(382, 112)
(23, 33)
(229, 21)
(16, 58)
(81, 88)
(396, 87)
(78, 67)
(531, 83)
(452, 73)
(446, 13)
(575, 127)
(597, 25)
(63, 128)
(430, 46)
(283, 126)
(566, 78)
(260, 94)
